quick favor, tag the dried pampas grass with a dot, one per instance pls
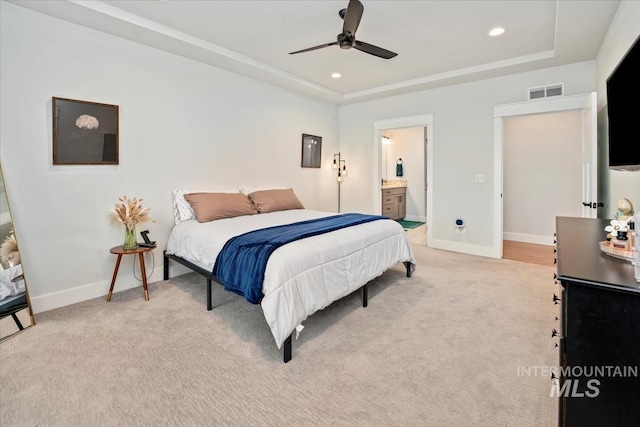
(129, 212)
(9, 249)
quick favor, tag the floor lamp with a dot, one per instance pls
(339, 165)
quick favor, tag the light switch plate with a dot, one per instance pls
(480, 178)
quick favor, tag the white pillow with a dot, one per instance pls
(182, 210)
(248, 190)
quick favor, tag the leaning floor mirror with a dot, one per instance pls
(15, 307)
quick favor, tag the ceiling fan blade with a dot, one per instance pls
(374, 50)
(352, 17)
(314, 48)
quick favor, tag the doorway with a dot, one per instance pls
(403, 159)
(399, 129)
(567, 185)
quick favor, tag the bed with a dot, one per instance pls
(303, 276)
(13, 295)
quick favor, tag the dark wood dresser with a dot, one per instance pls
(600, 330)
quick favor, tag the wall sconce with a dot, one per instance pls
(339, 165)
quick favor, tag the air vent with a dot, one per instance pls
(546, 91)
(536, 92)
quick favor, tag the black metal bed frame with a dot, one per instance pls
(210, 277)
(13, 307)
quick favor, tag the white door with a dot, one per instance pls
(426, 162)
(589, 157)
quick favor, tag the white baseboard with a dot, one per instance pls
(100, 289)
(528, 238)
(415, 218)
(466, 248)
(59, 299)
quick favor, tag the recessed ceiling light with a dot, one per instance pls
(336, 75)
(497, 31)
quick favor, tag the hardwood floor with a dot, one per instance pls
(528, 252)
(517, 251)
(418, 235)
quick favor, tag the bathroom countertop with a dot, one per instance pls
(394, 183)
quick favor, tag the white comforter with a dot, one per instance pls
(304, 276)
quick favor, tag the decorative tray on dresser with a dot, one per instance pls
(607, 248)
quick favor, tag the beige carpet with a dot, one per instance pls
(439, 349)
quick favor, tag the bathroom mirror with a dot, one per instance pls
(15, 307)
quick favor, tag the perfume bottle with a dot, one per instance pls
(621, 241)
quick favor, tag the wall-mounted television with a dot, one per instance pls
(623, 109)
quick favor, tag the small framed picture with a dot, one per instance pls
(311, 151)
(84, 133)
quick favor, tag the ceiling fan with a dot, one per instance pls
(347, 38)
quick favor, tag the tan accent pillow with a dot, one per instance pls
(212, 206)
(275, 200)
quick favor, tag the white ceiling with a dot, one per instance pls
(438, 42)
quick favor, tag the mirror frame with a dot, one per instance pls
(29, 307)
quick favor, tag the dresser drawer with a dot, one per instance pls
(393, 191)
(390, 210)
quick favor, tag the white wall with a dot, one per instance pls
(542, 175)
(408, 144)
(183, 124)
(624, 30)
(462, 145)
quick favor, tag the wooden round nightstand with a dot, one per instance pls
(118, 250)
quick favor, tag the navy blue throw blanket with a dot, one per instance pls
(241, 264)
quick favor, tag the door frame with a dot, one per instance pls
(421, 120)
(564, 103)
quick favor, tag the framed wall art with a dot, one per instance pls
(311, 151)
(84, 133)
